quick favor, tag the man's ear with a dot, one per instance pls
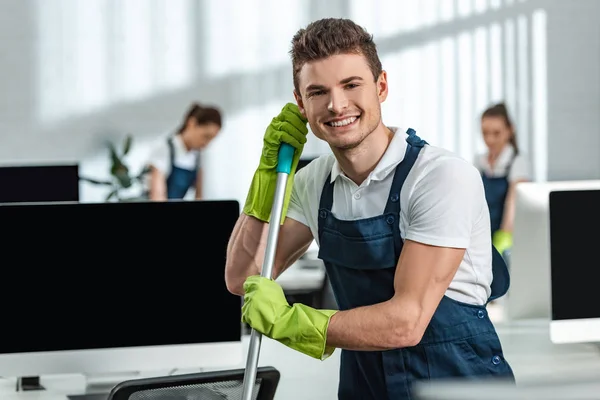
(300, 103)
(382, 87)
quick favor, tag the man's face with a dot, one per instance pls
(340, 99)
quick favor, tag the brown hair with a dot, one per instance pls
(500, 110)
(202, 116)
(331, 36)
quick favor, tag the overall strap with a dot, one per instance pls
(326, 201)
(171, 151)
(415, 144)
(392, 207)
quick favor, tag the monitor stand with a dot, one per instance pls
(25, 383)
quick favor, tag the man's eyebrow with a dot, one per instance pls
(343, 82)
(314, 87)
(350, 79)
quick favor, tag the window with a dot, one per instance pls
(261, 37)
(95, 53)
(448, 60)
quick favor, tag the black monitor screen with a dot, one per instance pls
(85, 276)
(574, 222)
(39, 183)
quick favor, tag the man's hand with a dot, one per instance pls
(299, 327)
(288, 127)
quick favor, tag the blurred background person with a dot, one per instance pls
(175, 163)
(502, 167)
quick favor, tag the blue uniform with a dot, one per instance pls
(361, 258)
(180, 180)
(496, 189)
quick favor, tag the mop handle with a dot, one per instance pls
(284, 167)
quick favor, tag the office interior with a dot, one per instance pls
(80, 75)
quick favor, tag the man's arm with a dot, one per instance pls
(442, 210)
(423, 275)
(246, 249)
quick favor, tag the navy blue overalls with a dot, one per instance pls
(496, 189)
(180, 180)
(361, 257)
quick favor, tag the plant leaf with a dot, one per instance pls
(114, 156)
(127, 144)
(123, 177)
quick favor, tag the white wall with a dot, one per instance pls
(75, 76)
(574, 89)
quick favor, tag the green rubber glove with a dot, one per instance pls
(299, 327)
(502, 240)
(288, 127)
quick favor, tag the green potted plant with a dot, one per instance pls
(121, 179)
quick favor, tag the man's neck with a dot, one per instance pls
(359, 162)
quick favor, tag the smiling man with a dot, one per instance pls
(402, 227)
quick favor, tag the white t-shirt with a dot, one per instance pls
(518, 171)
(442, 204)
(160, 157)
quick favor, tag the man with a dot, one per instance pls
(403, 229)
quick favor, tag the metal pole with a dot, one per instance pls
(283, 169)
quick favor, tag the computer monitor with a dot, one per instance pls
(117, 287)
(303, 162)
(39, 183)
(574, 224)
(529, 293)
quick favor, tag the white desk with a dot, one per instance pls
(526, 344)
(535, 358)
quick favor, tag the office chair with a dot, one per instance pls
(217, 385)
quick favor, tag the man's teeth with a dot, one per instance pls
(343, 122)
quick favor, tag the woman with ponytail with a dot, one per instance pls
(502, 168)
(175, 164)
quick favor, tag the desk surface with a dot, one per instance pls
(526, 344)
(304, 275)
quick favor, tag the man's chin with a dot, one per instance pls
(345, 144)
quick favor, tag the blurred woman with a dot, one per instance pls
(502, 168)
(175, 164)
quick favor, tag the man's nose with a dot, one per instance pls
(338, 102)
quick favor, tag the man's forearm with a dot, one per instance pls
(382, 326)
(245, 252)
